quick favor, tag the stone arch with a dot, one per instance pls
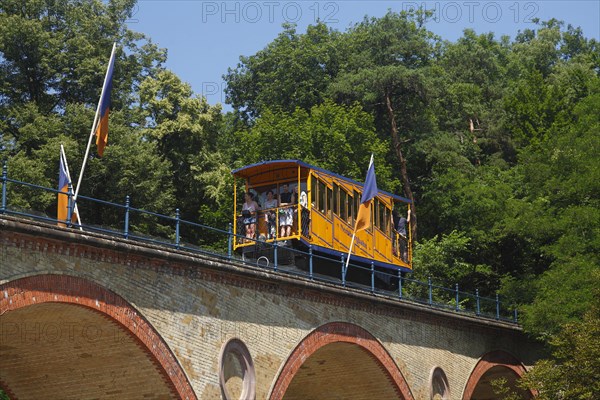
(68, 293)
(492, 365)
(344, 336)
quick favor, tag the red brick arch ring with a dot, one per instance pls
(73, 290)
(497, 358)
(339, 332)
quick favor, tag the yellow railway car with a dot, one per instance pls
(309, 207)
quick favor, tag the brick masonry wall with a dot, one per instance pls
(196, 304)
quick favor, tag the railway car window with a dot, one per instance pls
(329, 201)
(381, 216)
(386, 221)
(334, 199)
(321, 203)
(302, 194)
(356, 204)
(313, 191)
(376, 213)
(343, 208)
(374, 207)
(373, 216)
(350, 210)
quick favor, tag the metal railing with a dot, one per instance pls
(174, 232)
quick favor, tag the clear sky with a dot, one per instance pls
(204, 38)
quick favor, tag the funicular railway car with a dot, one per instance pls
(299, 205)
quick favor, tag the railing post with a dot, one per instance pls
(70, 205)
(229, 240)
(343, 258)
(4, 183)
(177, 228)
(430, 290)
(497, 307)
(457, 298)
(126, 228)
(275, 255)
(515, 319)
(372, 277)
(310, 262)
(399, 284)
(477, 297)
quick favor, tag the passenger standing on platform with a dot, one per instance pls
(303, 200)
(295, 198)
(401, 228)
(270, 206)
(285, 214)
(249, 210)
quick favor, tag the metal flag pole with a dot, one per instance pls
(64, 158)
(87, 150)
(349, 252)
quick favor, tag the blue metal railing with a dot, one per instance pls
(275, 255)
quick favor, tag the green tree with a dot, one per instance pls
(185, 129)
(447, 260)
(292, 71)
(474, 200)
(559, 214)
(53, 57)
(314, 135)
(55, 53)
(130, 166)
(470, 77)
(572, 373)
(552, 71)
(386, 72)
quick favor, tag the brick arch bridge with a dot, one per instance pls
(86, 315)
(62, 321)
(349, 351)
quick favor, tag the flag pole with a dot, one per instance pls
(349, 252)
(64, 158)
(87, 150)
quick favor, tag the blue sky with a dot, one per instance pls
(204, 38)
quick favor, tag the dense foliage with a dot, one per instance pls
(497, 140)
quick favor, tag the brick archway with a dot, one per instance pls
(340, 333)
(493, 360)
(42, 290)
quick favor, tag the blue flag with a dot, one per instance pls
(102, 127)
(363, 219)
(63, 187)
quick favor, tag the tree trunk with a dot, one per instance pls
(404, 174)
